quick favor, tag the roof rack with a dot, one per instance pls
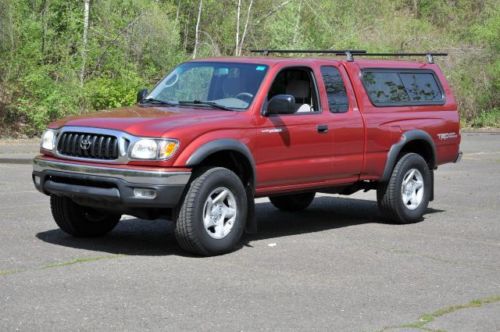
(429, 55)
(348, 53)
(351, 53)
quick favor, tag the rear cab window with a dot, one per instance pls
(402, 87)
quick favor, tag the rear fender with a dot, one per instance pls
(407, 137)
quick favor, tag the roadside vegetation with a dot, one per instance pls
(60, 57)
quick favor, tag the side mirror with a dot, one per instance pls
(141, 95)
(281, 104)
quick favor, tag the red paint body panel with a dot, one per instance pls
(289, 153)
(385, 125)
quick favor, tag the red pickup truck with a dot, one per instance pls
(216, 133)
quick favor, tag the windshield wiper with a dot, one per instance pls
(205, 103)
(156, 102)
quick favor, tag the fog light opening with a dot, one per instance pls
(144, 193)
(37, 180)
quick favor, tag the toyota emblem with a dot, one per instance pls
(85, 144)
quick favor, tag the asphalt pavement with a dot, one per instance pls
(334, 267)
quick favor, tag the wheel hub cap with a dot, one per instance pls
(219, 213)
(412, 189)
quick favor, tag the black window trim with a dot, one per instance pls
(345, 88)
(405, 71)
(312, 76)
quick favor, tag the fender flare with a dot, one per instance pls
(226, 144)
(411, 135)
(209, 148)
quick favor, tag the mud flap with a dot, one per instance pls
(251, 224)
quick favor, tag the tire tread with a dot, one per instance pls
(388, 194)
(185, 230)
(70, 218)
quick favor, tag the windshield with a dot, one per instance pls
(219, 84)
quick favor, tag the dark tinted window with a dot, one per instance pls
(385, 87)
(421, 86)
(335, 89)
(402, 87)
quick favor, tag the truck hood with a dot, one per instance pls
(149, 121)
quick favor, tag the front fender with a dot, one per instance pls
(197, 153)
(224, 144)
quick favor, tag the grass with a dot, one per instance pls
(7, 272)
(79, 260)
(430, 317)
(61, 264)
(489, 119)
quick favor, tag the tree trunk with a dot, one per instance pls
(272, 11)
(415, 8)
(237, 28)
(84, 42)
(44, 25)
(297, 25)
(186, 32)
(197, 31)
(178, 11)
(240, 47)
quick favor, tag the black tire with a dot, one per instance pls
(389, 195)
(293, 202)
(190, 229)
(81, 221)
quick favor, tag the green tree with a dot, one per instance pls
(50, 67)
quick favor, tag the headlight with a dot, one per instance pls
(49, 140)
(151, 149)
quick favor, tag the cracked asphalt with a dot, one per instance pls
(333, 267)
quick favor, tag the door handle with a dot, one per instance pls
(322, 128)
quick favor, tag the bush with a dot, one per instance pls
(133, 43)
(489, 119)
(43, 100)
(108, 92)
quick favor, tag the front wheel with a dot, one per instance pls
(81, 221)
(212, 216)
(404, 199)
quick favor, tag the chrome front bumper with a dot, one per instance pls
(157, 177)
(109, 187)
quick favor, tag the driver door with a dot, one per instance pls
(294, 149)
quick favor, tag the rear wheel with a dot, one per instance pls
(405, 198)
(212, 216)
(293, 202)
(81, 221)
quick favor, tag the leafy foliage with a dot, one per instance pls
(133, 43)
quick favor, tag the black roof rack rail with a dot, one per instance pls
(350, 53)
(266, 52)
(429, 55)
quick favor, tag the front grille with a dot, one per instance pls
(85, 145)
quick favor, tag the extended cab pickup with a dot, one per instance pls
(215, 133)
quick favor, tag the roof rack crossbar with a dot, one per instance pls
(351, 53)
